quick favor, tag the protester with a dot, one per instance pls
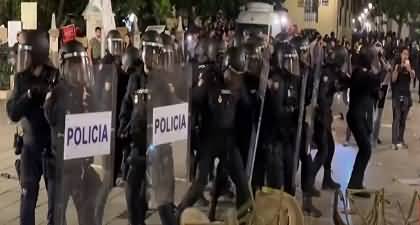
(401, 98)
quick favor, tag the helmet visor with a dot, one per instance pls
(77, 70)
(24, 59)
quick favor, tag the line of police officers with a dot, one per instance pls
(229, 92)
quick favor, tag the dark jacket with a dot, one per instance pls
(28, 109)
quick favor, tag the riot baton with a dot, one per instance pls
(256, 128)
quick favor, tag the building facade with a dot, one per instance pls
(323, 15)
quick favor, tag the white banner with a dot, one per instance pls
(29, 15)
(170, 124)
(13, 28)
(87, 134)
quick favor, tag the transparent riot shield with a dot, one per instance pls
(263, 80)
(82, 120)
(166, 97)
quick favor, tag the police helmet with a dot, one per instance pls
(286, 58)
(114, 43)
(75, 66)
(169, 53)
(152, 48)
(130, 59)
(33, 51)
(206, 50)
(236, 60)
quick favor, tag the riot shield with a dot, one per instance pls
(257, 125)
(310, 115)
(83, 122)
(166, 98)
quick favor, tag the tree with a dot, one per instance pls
(402, 12)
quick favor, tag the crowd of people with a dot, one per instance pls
(249, 98)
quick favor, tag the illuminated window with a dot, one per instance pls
(311, 10)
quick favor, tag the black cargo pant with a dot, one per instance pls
(379, 105)
(325, 142)
(135, 189)
(360, 126)
(223, 147)
(81, 183)
(35, 162)
(400, 109)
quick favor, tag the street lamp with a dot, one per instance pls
(359, 18)
(366, 10)
(353, 20)
(363, 15)
(370, 6)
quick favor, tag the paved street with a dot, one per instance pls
(385, 168)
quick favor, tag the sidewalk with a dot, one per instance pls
(386, 166)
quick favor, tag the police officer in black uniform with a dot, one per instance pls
(218, 97)
(25, 106)
(130, 64)
(73, 95)
(280, 118)
(361, 104)
(204, 68)
(133, 124)
(334, 74)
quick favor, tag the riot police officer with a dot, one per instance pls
(334, 73)
(73, 94)
(137, 101)
(25, 105)
(219, 100)
(164, 90)
(130, 127)
(361, 103)
(204, 69)
(130, 64)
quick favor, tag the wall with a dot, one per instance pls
(327, 18)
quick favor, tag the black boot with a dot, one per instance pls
(167, 214)
(328, 183)
(308, 208)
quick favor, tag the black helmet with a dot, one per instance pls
(130, 59)
(169, 53)
(302, 46)
(75, 66)
(342, 59)
(34, 51)
(206, 50)
(114, 43)
(254, 55)
(152, 47)
(286, 58)
(365, 57)
(282, 37)
(236, 59)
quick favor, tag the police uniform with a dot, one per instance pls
(76, 177)
(25, 106)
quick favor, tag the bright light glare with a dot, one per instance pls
(366, 10)
(353, 20)
(131, 17)
(370, 5)
(283, 20)
(189, 38)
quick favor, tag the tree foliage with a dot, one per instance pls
(403, 11)
(151, 11)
